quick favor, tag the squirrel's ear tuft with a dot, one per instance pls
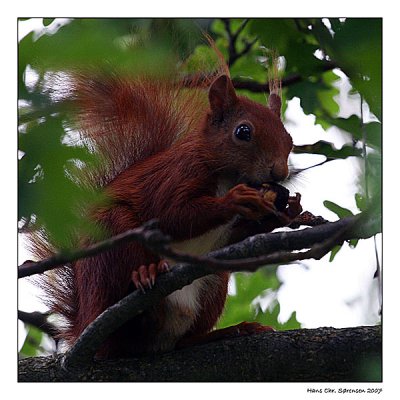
(221, 95)
(275, 103)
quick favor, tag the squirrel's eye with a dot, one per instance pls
(243, 132)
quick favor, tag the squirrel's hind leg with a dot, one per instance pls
(242, 329)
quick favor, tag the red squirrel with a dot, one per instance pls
(194, 163)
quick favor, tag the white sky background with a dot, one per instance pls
(339, 293)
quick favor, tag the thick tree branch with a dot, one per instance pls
(306, 355)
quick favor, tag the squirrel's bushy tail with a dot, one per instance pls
(126, 120)
(58, 286)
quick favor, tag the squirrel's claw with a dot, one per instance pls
(294, 206)
(145, 276)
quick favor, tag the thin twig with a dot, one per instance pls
(250, 85)
(247, 47)
(38, 320)
(241, 27)
(234, 55)
(231, 41)
(145, 233)
(257, 87)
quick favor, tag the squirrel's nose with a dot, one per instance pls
(279, 171)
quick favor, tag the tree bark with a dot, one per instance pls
(304, 355)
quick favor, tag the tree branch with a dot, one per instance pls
(305, 355)
(38, 320)
(145, 234)
(201, 80)
(317, 251)
(232, 40)
(257, 87)
(361, 226)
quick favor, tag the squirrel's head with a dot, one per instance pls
(252, 144)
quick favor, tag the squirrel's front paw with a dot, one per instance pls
(249, 202)
(145, 276)
(288, 207)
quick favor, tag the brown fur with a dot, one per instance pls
(165, 150)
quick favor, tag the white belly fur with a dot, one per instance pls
(183, 305)
(187, 297)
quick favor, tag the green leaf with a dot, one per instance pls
(246, 67)
(307, 92)
(351, 124)
(374, 178)
(31, 345)
(361, 201)
(316, 97)
(218, 27)
(373, 130)
(341, 212)
(374, 134)
(202, 59)
(327, 95)
(275, 33)
(334, 251)
(291, 323)
(296, 45)
(356, 48)
(47, 21)
(45, 188)
(270, 318)
(119, 45)
(327, 149)
(238, 307)
(353, 243)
